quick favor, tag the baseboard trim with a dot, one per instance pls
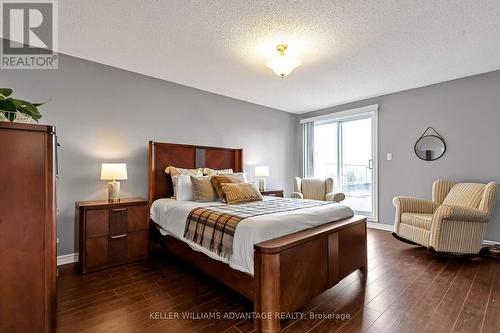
(380, 226)
(67, 259)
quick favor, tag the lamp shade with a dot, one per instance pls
(113, 171)
(283, 65)
(262, 171)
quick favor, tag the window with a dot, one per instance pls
(343, 146)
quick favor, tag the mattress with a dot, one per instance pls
(170, 215)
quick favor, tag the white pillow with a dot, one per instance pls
(243, 175)
(183, 189)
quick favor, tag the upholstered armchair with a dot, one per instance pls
(453, 222)
(316, 189)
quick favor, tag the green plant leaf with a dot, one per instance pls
(8, 108)
(7, 105)
(5, 92)
(27, 108)
(42, 103)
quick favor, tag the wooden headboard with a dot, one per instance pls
(162, 155)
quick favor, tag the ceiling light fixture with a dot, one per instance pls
(283, 65)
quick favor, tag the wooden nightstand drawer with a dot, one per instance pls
(118, 249)
(96, 223)
(112, 233)
(138, 218)
(272, 193)
(138, 244)
(118, 221)
(97, 253)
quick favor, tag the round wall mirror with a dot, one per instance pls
(430, 147)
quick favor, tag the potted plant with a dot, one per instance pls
(18, 110)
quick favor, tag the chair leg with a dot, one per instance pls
(485, 252)
(449, 255)
(404, 240)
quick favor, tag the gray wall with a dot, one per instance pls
(466, 112)
(106, 114)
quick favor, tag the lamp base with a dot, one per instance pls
(262, 184)
(114, 191)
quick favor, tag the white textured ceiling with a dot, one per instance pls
(351, 49)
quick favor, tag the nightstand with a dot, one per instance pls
(112, 233)
(272, 193)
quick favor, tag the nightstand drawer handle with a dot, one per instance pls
(118, 236)
(118, 209)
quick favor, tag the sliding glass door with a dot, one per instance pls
(326, 152)
(343, 147)
(356, 175)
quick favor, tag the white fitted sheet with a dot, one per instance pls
(171, 216)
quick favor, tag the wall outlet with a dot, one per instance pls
(389, 156)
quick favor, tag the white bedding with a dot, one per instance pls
(171, 216)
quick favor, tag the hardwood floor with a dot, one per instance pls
(405, 290)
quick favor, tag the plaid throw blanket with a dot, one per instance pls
(213, 227)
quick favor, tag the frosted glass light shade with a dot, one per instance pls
(114, 171)
(283, 65)
(262, 171)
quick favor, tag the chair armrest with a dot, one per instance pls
(414, 205)
(472, 221)
(460, 213)
(296, 195)
(337, 197)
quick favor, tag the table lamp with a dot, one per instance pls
(113, 172)
(262, 172)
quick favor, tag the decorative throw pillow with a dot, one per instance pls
(174, 171)
(217, 182)
(183, 189)
(239, 175)
(212, 172)
(203, 190)
(241, 192)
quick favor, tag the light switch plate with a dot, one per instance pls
(389, 156)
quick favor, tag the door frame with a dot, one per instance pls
(352, 114)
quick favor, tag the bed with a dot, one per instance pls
(308, 256)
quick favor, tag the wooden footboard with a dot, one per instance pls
(291, 270)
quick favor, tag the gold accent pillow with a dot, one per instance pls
(212, 172)
(173, 171)
(241, 192)
(217, 182)
(203, 190)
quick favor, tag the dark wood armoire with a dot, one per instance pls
(27, 227)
